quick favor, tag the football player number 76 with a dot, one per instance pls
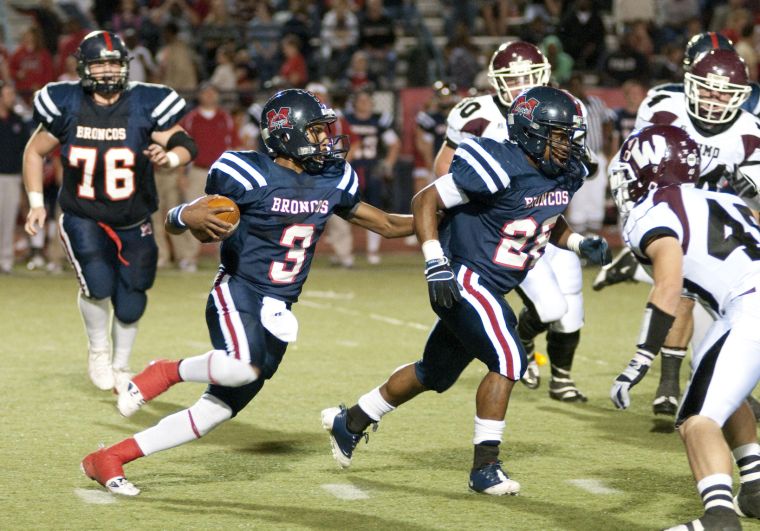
(119, 179)
(298, 238)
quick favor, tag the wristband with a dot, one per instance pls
(173, 159)
(432, 250)
(654, 329)
(36, 200)
(174, 217)
(574, 242)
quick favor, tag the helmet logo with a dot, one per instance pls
(525, 107)
(279, 119)
(646, 153)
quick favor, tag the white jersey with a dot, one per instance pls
(479, 116)
(718, 234)
(722, 153)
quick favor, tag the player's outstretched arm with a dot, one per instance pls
(667, 262)
(593, 248)
(381, 222)
(171, 148)
(198, 217)
(39, 146)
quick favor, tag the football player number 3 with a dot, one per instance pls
(298, 238)
(519, 235)
(119, 179)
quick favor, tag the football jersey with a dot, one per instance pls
(282, 215)
(717, 232)
(751, 104)
(106, 176)
(369, 138)
(479, 116)
(434, 126)
(512, 207)
(721, 153)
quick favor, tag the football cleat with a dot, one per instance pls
(491, 479)
(564, 390)
(154, 379)
(107, 470)
(130, 400)
(121, 378)
(532, 378)
(665, 405)
(718, 519)
(747, 501)
(99, 369)
(343, 442)
(622, 269)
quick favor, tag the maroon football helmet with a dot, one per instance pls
(517, 66)
(716, 86)
(653, 157)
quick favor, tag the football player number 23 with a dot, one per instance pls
(298, 238)
(119, 179)
(520, 234)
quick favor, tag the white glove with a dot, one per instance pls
(633, 374)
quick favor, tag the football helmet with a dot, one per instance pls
(285, 123)
(656, 156)
(538, 112)
(716, 86)
(99, 47)
(704, 42)
(517, 66)
(446, 94)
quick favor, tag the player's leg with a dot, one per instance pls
(10, 195)
(339, 234)
(93, 257)
(373, 194)
(741, 435)
(672, 353)
(564, 333)
(233, 318)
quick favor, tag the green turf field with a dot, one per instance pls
(581, 466)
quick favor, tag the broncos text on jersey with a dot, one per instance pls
(282, 215)
(106, 177)
(510, 209)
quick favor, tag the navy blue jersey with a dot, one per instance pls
(106, 177)
(372, 136)
(282, 215)
(434, 124)
(751, 104)
(503, 228)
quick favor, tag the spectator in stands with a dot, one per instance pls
(624, 119)
(459, 12)
(247, 133)
(208, 121)
(47, 22)
(69, 72)
(68, 42)
(586, 211)
(264, 38)
(536, 28)
(358, 74)
(667, 67)
(562, 63)
(495, 15)
(377, 37)
(462, 58)
(14, 134)
(303, 22)
(293, 72)
(224, 77)
(430, 132)
(218, 29)
(177, 62)
(625, 63)
(582, 33)
(340, 36)
(746, 50)
(247, 78)
(31, 65)
(721, 13)
(142, 67)
(673, 19)
(128, 16)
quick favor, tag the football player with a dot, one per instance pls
(710, 112)
(285, 202)
(552, 291)
(110, 132)
(709, 244)
(503, 204)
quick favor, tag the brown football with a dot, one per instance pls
(230, 217)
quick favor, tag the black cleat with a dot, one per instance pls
(621, 269)
(665, 405)
(718, 519)
(747, 501)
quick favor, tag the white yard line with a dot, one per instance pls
(344, 491)
(374, 316)
(95, 496)
(337, 295)
(594, 486)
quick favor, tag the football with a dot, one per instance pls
(230, 217)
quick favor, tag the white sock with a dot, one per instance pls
(715, 491)
(123, 338)
(373, 242)
(745, 450)
(95, 314)
(488, 430)
(374, 405)
(184, 426)
(217, 367)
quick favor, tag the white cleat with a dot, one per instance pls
(122, 486)
(121, 378)
(130, 400)
(99, 369)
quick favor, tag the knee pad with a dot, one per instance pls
(550, 305)
(572, 319)
(129, 307)
(230, 372)
(208, 412)
(99, 290)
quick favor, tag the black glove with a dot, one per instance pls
(596, 250)
(443, 287)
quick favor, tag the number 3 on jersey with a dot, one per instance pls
(518, 235)
(119, 179)
(291, 237)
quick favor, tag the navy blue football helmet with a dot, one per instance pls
(704, 42)
(99, 47)
(538, 112)
(285, 122)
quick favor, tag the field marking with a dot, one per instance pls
(597, 361)
(594, 486)
(94, 496)
(374, 316)
(337, 295)
(347, 343)
(344, 491)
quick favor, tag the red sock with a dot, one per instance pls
(126, 451)
(157, 378)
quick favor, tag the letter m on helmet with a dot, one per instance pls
(279, 119)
